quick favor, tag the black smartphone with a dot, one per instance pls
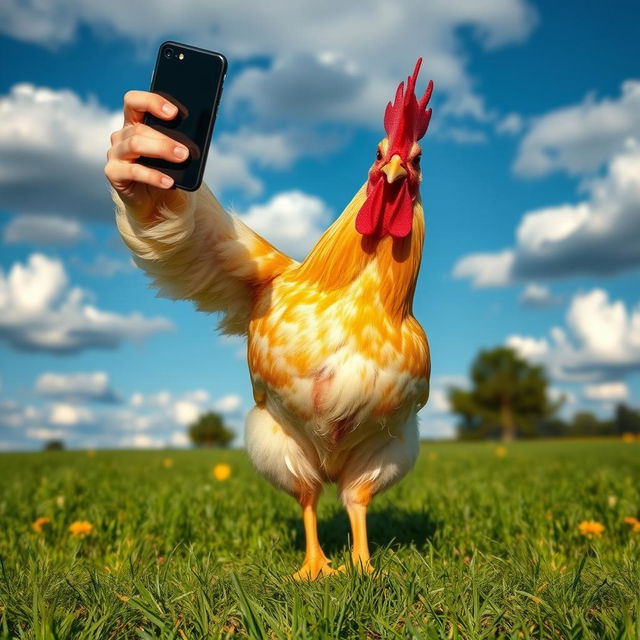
(192, 79)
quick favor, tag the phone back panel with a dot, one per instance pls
(193, 83)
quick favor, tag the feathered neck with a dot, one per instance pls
(342, 254)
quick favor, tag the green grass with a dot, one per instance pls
(469, 545)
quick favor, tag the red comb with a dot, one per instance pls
(407, 120)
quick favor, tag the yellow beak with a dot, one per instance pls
(394, 169)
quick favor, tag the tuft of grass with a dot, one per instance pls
(470, 545)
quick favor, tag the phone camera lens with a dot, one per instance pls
(168, 52)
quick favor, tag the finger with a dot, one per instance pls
(137, 103)
(143, 130)
(134, 129)
(124, 172)
(138, 145)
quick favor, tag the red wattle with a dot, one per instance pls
(398, 215)
(369, 217)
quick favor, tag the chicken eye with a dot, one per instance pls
(379, 155)
(416, 160)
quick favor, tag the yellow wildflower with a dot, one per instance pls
(591, 529)
(221, 471)
(167, 463)
(628, 438)
(80, 528)
(634, 523)
(501, 452)
(39, 523)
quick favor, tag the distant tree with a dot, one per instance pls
(626, 420)
(53, 445)
(553, 427)
(508, 397)
(586, 424)
(209, 430)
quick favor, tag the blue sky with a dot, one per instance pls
(531, 191)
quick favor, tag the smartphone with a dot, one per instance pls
(192, 79)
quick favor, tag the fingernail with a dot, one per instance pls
(180, 152)
(166, 181)
(169, 109)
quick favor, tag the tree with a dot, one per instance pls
(209, 430)
(508, 397)
(586, 424)
(552, 427)
(53, 445)
(626, 420)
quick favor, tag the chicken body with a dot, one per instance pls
(339, 363)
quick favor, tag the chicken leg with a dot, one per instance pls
(315, 562)
(357, 510)
(360, 552)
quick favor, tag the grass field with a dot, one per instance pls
(470, 545)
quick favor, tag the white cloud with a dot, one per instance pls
(69, 415)
(234, 154)
(13, 415)
(141, 441)
(580, 138)
(39, 311)
(179, 439)
(268, 149)
(275, 149)
(601, 341)
(186, 412)
(43, 230)
(345, 66)
(527, 347)
(607, 392)
(538, 296)
(555, 395)
(464, 135)
(511, 124)
(328, 72)
(228, 404)
(137, 399)
(199, 395)
(52, 150)
(105, 266)
(228, 169)
(292, 221)
(436, 428)
(184, 409)
(160, 399)
(76, 386)
(439, 401)
(151, 420)
(597, 236)
(43, 433)
(486, 269)
(436, 422)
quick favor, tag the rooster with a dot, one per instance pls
(338, 364)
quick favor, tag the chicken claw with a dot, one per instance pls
(314, 569)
